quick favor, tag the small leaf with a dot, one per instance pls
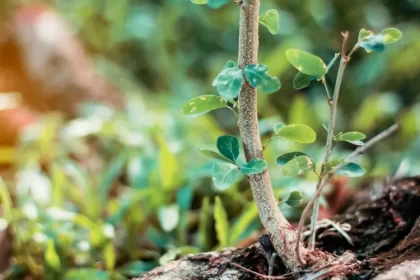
(168, 217)
(221, 223)
(373, 43)
(229, 64)
(215, 4)
(254, 166)
(352, 137)
(285, 158)
(363, 34)
(229, 82)
(214, 155)
(391, 35)
(298, 166)
(224, 174)
(302, 80)
(204, 226)
(277, 127)
(270, 19)
(228, 146)
(297, 132)
(294, 199)
(51, 257)
(258, 77)
(109, 256)
(306, 63)
(350, 170)
(199, 2)
(333, 163)
(203, 104)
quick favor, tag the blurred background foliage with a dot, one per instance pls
(111, 193)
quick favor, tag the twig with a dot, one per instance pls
(259, 274)
(356, 152)
(331, 126)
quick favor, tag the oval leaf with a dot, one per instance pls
(302, 80)
(228, 146)
(203, 104)
(254, 166)
(350, 170)
(214, 155)
(351, 136)
(270, 19)
(297, 132)
(294, 199)
(285, 158)
(391, 35)
(298, 166)
(258, 77)
(306, 63)
(229, 82)
(215, 4)
(224, 174)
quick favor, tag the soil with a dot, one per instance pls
(385, 232)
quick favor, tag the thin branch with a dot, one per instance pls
(325, 180)
(331, 127)
(324, 82)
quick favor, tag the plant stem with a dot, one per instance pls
(331, 126)
(282, 234)
(326, 178)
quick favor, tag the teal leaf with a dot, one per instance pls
(229, 82)
(254, 166)
(352, 137)
(299, 133)
(215, 4)
(224, 174)
(228, 146)
(373, 43)
(184, 198)
(168, 217)
(350, 170)
(277, 127)
(302, 80)
(203, 104)
(285, 158)
(391, 35)
(294, 199)
(306, 63)
(229, 64)
(214, 155)
(270, 19)
(298, 166)
(258, 77)
(199, 2)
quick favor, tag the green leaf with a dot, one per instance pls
(306, 63)
(204, 226)
(302, 80)
(333, 163)
(135, 268)
(91, 273)
(278, 126)
(221, 223)
(350, 170)
(270, 19)
(229, 64)
(258, 77)
(298, 166)
(168, 167)
(285, 158)
(243, 222)
(363, 34)
(229, 82)
(203, 104)
(215, 4)
(391, 35)
(224, 174)
(228, 146)
(51, 257)
(109, 256)
(294, 199)
(352, 137)
(199, 2)
(297, 132)
(214, 155)
(254, 166)
(168, 217)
